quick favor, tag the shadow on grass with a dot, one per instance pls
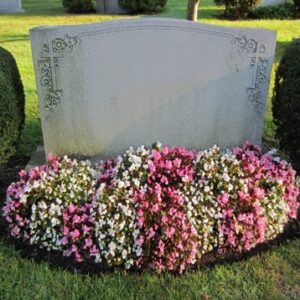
(14, 38)
(31, 137)
(204, 12)
(208, 13)
(280, 48)
(42, 8)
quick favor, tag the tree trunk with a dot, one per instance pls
(192, 10)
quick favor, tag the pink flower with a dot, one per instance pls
(151, 233)
(76, 219)
(19, 218)
(258, 192)
(88, 242)
(177, 163)
(223, 198)
(64, 240)
(140, 221)
(86, 229)
(161, 246)
(244, 196)
(34, 174)
(78, 257)
(170, 231)
(155, 208)
(15, 231)
(74, 248)
(169, 165)
(164, 219)
(75, 234)
(23, 174)
(140, 240)
(72, 208)
(66, 231)
(151, 166)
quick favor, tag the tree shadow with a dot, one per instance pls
(280, 49)
(42, 8)
(14, 38)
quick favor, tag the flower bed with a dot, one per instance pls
(160, 208)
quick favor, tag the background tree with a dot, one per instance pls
(192, 10)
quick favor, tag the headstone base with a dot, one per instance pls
(38, 158)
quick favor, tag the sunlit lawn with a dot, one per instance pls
(272, 275)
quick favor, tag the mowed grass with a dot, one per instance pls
(270, 275)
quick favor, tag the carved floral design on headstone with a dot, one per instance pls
(48, 62)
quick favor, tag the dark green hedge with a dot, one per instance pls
(238, 9)
(79, 6)
(280, 12)
(286, 103)
(143, 5)
(12, 105)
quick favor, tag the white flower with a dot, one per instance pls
(226, 177)
(121, 184)
(112, 246)
(206, 189)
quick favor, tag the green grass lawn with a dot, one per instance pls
(271, 275)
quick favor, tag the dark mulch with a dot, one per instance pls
(9, 173)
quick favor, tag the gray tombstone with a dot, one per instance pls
(10, 6)
(107, 86)
(271, 2)
(110, 7)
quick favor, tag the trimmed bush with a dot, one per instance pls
(281, 12)
(79, 6)
(238, 9)
(286, 103)
(297, 8)
(143, 5)
(12, 105)
(160, 209)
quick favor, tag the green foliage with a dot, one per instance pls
(286, 103)
(143, 5)
(238, 9)
(12, 105)
(297, 9)
(280, 12)
(79, 6)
